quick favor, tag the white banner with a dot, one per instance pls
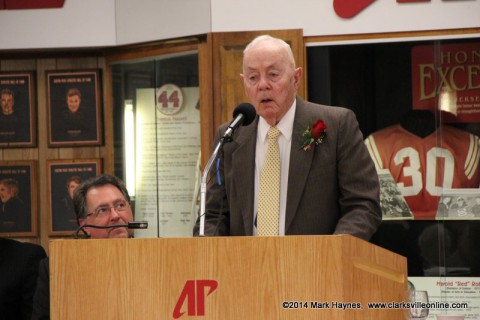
(167, 153)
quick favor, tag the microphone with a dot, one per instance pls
(243, 114)
(129, 225)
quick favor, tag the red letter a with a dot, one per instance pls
(188, 293)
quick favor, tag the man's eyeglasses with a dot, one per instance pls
(102, 211)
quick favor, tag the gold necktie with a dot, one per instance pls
(269, 193)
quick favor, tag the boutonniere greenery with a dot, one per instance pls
(314, 135)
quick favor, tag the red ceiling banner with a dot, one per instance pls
(402, 1)
(31, 4)
(349, 8)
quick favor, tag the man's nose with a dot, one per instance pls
(263, 83)
(114, 216)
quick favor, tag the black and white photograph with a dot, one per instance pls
(74, 108)
(459, 204)
(17, 114)
(18, 198)
(393, 204)
(65, 176)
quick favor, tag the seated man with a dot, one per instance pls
(99, 201)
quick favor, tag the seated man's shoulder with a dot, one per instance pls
(17, 248)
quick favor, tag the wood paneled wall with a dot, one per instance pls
(42, 153)
(220, 57)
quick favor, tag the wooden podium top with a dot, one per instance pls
(292, 277)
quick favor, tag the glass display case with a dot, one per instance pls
(418, 106)
(157, 139)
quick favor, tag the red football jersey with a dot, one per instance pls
(423, 167)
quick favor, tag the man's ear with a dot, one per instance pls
(298, 76)
(242, 77)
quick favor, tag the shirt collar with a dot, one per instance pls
(285, 125)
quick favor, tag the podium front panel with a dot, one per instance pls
(292, 277)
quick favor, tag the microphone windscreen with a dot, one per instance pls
(248, 112)
(138, 225)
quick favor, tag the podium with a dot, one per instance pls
(227, 278)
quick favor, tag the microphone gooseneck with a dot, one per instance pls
(243, 114)
(129, 225)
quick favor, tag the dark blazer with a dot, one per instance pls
(18, 277)
(14, 216)
(332, 189)
(41, 299)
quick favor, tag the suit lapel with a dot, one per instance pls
(300, 162)
(243, 161)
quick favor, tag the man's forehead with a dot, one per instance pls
(270, 62)
(257, 67)
(106, 190)
(265, 60)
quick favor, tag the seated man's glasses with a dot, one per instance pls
(102, 211)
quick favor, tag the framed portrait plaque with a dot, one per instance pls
(17, 112)
(18, 199)
(74, 108)
(64, 177)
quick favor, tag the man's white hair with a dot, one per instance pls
(267, 37)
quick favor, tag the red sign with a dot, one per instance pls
(349, 8)
(193, 294)
(447, 78)
(31, 4)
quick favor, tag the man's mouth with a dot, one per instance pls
(116, 229)
(119, 230)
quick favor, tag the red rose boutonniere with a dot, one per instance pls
(314, 135)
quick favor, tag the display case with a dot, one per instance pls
(418, 106)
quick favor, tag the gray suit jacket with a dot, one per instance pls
(332, 189)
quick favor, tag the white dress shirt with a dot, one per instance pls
(284, 143)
